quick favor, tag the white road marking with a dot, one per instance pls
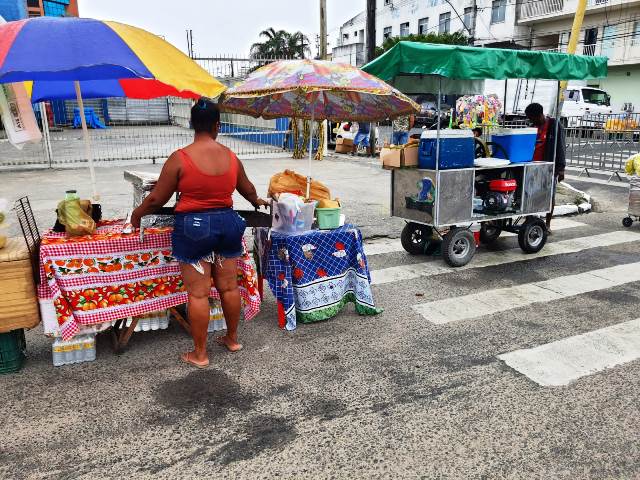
(504, 299)
(390, 245)
(561, 362)
(488, 259)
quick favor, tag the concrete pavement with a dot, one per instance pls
(392, 396)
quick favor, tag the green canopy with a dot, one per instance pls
(470, 63)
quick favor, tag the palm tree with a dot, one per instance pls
(280, 44)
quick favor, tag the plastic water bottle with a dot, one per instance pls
(78, 349)
(89, 347)
(164, 320)
(57, 353)
(69, 354)
(155, 321)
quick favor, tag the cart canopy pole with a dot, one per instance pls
(313, 111)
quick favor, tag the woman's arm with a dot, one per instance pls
(165, 187)
(247, 189)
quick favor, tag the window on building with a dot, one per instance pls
(386, 33)
(33, 3)
(635, 36)
(468, 17)
(498, 11)
(423, 26)
(404, 29)
(345, 37)
(55, 8)
(434, 3)
(444, 26)
(590, 40)
(388, 2)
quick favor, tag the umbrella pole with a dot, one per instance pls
(313, 111)
(87, 141)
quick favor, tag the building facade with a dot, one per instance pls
(16, 9)
(611, 28)
(485, 22)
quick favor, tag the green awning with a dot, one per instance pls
(469, 63)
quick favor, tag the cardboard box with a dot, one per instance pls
(344, 145)
(410, 156)
(399, 157)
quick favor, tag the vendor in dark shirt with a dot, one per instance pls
(547, 146)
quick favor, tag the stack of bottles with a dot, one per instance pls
(81, 348)
(150, 321)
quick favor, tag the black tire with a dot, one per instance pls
(627, 222)
(489, 233)
(532, 236)
(458, 247)
(415, 238)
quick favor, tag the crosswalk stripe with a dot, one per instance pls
(390, 245)
(561, 362)
(500, 300)
(488, 259)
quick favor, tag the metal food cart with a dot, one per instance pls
(446, 216)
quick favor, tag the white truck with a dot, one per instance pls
(581, 101)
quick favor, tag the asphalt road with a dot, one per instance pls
(392, 396)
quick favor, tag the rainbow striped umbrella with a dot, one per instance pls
(63, 58)
(109, 59)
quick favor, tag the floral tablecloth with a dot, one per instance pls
(111, 275)
(314, 274)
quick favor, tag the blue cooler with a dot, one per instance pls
(518, 143)
(456, 149)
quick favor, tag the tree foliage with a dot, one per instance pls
(281, 44)
(456, 38)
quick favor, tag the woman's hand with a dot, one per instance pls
(135, 219)
(261, 203)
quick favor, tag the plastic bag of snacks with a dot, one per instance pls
(292, 182)
(75, 215)
(632, 167)
(4, 213)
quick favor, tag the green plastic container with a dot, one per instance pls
(328, 218)
(12, 351)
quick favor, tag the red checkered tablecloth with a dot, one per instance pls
(112, 275)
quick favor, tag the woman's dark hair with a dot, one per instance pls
(204, 115)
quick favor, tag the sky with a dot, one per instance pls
(222, 27)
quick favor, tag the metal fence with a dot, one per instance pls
(126, 130)
(602, 142)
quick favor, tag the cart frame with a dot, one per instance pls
(451, 216)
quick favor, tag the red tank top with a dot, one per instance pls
(199, 191)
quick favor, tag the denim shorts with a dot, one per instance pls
(400, 138)
(200, 235)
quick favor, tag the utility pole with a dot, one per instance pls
(323, 29)
(474, 21)
(371, 29)
(371, 53)
(571, 48)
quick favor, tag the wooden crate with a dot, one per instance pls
(18, 297)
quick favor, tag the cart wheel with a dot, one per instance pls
(627, 222)
(489, 232)
(415, 238)
(532, 236)
(458, 247)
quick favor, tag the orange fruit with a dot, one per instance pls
(88, 262)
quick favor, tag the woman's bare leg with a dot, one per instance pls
(198, 287)
(226, 282)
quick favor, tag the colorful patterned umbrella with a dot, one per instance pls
(109, 59)
(62, 58)
(316, 89)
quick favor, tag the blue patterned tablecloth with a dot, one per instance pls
(314, 274)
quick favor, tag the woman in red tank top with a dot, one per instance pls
(207, 235)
